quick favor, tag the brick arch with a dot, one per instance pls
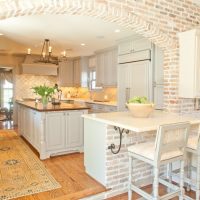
(118, 11)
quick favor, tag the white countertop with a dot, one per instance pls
(109, 103)
(125, 120)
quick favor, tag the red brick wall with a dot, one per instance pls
(157, 20)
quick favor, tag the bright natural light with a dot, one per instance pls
(7, 94)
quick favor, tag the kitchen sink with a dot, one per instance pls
(68, 101)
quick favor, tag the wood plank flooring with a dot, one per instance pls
(69, 171)
(162, 191)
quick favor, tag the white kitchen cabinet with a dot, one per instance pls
(66, 71)
(55, 129)
(189, 51)
(75, 130)
(52, 133)
(106, 68)
(100, 69)
(77, 73)
(80, 75)
(92, 61)
(133, 45)
(110, 68)
(36, 124)
(158, 84)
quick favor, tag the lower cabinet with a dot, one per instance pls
(52, 133)
(55, 131)
(75, 130)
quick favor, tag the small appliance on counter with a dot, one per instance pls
(57, 96)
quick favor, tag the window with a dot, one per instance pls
(7, 94)
(92, 77)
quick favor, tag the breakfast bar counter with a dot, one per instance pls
(106, 161)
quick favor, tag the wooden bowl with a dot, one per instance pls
(140, 110)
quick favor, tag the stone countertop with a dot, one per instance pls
(125, 120)
(106, 103)
(63, 106)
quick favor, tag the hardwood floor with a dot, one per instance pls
(69, 171)
(162, 191)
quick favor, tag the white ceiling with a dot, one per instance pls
(64, 31)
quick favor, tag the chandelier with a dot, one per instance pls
(46, 54)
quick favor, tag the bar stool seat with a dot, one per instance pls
(147, 150)
(169, 146)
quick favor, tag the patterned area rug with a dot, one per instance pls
(21, 172)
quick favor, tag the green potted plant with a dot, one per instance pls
(140, 106)
(45, 92)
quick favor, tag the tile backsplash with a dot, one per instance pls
(24, 82)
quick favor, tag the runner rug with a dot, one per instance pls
(21, 171)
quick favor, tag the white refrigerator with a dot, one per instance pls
(134, 79)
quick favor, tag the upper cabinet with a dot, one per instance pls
(189, 50)
(73, 72)
(66, 71)
(92, 61)
(106, 68)
(132, 45)
(81, 72)
(100, 69)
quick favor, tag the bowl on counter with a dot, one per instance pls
(140, 110)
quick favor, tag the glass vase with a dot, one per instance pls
(44, 101)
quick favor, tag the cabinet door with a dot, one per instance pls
(22, 120)
(113, 73)
(66, 73)
(158, 79)
(125, 47)
(92, 62)
(55, 131)
(100, 69)
(28, 124)
(74, 129)
(36, 129)
(140, 79)
(107, 69)
(123, 86)
(141, 44)
(77, 73)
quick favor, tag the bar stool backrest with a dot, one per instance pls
(198, 140)
(171, 138)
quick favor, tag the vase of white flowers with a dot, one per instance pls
(45, 92)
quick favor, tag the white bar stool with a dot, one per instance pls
(193, 149)
(169, 146)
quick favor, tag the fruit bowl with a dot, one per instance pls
(140, 109)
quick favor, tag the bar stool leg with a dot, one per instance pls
(156, 183)
(130, 178)
(198, 178)
(169, 175)
(189, 171)
(181, 181)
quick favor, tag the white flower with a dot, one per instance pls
(46, 93)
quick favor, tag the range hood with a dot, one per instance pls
(38, 68)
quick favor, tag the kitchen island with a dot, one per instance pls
(53, 130)
(101, 135)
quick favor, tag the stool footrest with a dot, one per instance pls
(187, 197)
(141, 192)
(170, 195)
(168, 184)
